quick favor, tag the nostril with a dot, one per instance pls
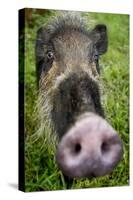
(92, 175)
(105, 147)
(77, 148)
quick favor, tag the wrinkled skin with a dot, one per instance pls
(67, 58)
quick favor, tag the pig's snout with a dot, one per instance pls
(90, 148)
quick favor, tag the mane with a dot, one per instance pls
(66, 20)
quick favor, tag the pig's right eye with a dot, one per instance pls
(50, 55)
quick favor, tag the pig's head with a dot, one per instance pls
(68, 70)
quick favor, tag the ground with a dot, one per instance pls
(41, 170)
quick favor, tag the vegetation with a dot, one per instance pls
(41, 170)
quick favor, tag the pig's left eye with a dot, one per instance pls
(96, 57)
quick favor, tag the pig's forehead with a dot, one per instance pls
(72, 39)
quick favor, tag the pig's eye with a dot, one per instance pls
(96, 57)
(50, 55)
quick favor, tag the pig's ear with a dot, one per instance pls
(42, 35)
(41, 40)
(100, 38)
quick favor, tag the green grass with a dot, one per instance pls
(41, 170)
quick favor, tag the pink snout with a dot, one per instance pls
(90, 148)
